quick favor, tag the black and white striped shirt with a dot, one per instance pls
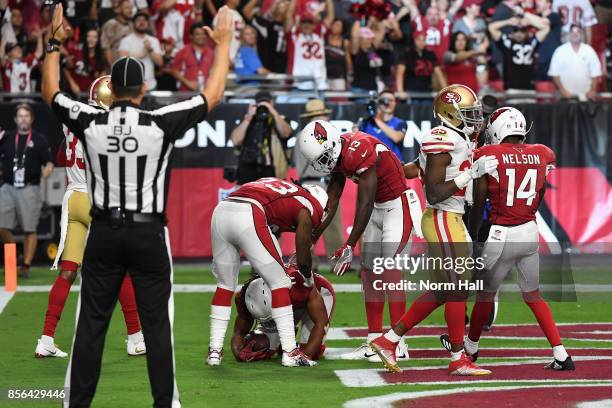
(127, 148)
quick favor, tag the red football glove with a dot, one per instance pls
(247, 354)
(343, 257)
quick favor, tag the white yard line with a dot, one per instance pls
(5, 297)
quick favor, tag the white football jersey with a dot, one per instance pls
(445, 140)
(75, 162)
(17, 74)
(307, 56)
(575, 12)
(238, 26)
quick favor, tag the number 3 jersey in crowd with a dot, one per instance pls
(515, 189)
(307, 56)
(281, 201)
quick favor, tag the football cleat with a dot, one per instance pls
(385, 349)
(297, 358)
(363, 352)
(567, 365)
(46, 348)
(136, 344)
(445, 340)
(401, 352)
(214, 357)
(465, 366)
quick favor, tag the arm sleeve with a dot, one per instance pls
(177, 118)
(75, 115)
(401, 126)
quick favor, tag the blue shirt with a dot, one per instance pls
(370, 127)
(247, 61)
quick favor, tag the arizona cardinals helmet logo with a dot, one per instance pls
(320, 133)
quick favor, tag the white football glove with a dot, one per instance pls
(343, 257)
(482, 166)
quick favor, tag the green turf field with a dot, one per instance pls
(124, 380)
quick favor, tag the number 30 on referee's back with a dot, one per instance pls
(121, 140)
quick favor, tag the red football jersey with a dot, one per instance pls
(361, 151)
(515, 190)
(299, 293)
(282, 201)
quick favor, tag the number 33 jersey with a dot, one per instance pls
(515, 189)
(74, 162)
(445, 140)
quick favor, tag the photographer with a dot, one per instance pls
(382, 122)
(262, 154)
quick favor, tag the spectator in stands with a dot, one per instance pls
(387, 32)
(447, 9)
(25, 157)
(173, 19)
(416, 70)
(518, 49)
(503, 11)
(105, 10)
(79, 12)
(166, 80)
(437, 30)
(578, 12)
(248, 62)
(384, 125)
(143, 46)
(15, 31)
(86, 63)
(461, 61)
(238, 26)
(258, 137)
(306, 45)
(552, 40)
(337, 57)
(366, 61)
(192, 63)
(115, 29)
(603, 10)
(475, 28)
(271, 37)
(17, 67)
(575, 67)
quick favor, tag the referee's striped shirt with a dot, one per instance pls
(127, 148)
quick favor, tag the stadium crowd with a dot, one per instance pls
(410, 46)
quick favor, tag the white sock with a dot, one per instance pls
(283, 317)
(392, 336)
(219, 319)
(470, 346)
(372, 336)
(47, 341)
(136, 337)
(560, 353)
(456, 355)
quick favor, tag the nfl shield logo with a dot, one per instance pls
(223, 192)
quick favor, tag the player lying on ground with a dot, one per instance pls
(74, 225)
(246, 221)
(313, 307)
(385, 214)
(516, 190)
(445, 161)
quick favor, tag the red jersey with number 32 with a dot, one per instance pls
(361, 151)
(515, 190)
(281, 201)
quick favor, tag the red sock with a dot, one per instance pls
(374, 314)
(542, 313)
(480, 314)
(419, 310)
(222, 297)
(128, 305)
(396, 298)
(454, 313)
(374, 301)
(57, 299)
(280, 298)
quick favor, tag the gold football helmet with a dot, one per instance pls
(458, 107)
(100, 93)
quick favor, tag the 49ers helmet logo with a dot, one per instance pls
(450, 97)
(320, 133)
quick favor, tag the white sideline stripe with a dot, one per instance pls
(388, 401)
(5, 297)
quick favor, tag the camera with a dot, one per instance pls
(372, 105)
(262, 113)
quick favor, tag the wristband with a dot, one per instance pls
(463, 179)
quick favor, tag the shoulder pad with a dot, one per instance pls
(439, 140)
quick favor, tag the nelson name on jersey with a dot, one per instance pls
(509, 158)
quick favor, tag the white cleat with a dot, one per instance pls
(136, 345)
(214, 357)
(363, 352)
(297, 358)
(401, 352)
(47, 348)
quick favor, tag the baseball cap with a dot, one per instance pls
(315, 107)
(127, 72)
(262, 96)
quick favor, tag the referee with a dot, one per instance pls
(127, 150)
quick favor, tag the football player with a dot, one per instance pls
(246, 220)
(313, 307)
(74, 222)
(445, 160)
(385, 215)
(516, 190)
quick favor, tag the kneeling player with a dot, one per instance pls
(313, 307)
(74, 225)
(516, 191)
(245, 221)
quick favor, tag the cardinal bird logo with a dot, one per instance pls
(320, 133)
(450, 97)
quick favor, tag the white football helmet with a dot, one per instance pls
(318, 193)
(504, 122)
(258, 299)
(320, 144)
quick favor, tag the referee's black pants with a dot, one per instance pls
(143, 249)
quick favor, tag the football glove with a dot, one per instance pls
(482, 166)
(343, 257)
